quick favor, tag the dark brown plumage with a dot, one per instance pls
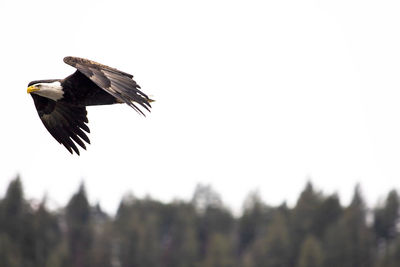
(61, 104)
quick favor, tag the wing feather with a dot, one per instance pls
(117, 83)
(64, 122)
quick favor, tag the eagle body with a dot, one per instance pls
(81, 90)
(61, 103)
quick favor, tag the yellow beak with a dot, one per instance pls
(31, 89)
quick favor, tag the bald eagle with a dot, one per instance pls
(61, 103)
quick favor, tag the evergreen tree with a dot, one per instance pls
(386, 218)
(256, 215)
(306, 209)
(391, 257)
(271, 249)
(138, 229)
(311, 254)
(47, 234)
(349, 243)
(219, 252)
(318, 231)
(213, 216)
(9, 254)
(101, 251)
(327, 213)
(12, 211)
(79, 231)
(16, 224)
(179, 236)
(304, 218)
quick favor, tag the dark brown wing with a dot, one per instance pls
(64, 121)
(117, 83)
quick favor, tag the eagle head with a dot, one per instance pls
(51, 89)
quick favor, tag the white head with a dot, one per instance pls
(51, 89)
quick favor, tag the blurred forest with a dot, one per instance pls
(202, 232)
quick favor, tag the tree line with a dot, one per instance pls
(202, 232)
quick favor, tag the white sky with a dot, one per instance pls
(250, 95)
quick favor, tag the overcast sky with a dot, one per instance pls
(249, 95)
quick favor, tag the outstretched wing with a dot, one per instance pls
(117, 83)
(64, 121)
